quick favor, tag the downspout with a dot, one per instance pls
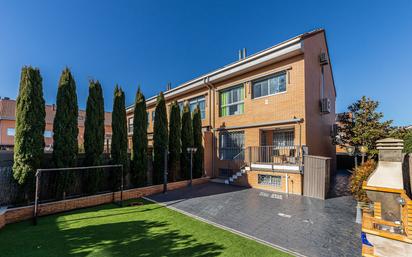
(287, 183)
(212, 120)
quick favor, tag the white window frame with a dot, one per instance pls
(275, 180)
(11, 132)
(285, 73)
(48, 134)
(234, 103)
(130, 124)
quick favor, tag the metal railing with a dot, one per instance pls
(274, 154)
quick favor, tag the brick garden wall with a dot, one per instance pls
(24, 213)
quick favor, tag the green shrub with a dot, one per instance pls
(94, 135)
(360, 175)
(197, 143)
(30, 124)
(65, 131)
(118, 149)
(174, 142)
(160, 140)
(187, 141)
(139, 141)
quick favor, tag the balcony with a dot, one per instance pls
(274, 157)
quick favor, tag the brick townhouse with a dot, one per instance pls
(8, 121)
(261, 113)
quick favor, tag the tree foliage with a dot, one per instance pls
(160, 139)
(174, 142)
(362, 125)
(65, 130)
(187, 141)
(360, 175)
(197, 143)
(139, 141)
(118, 149)
(404, 134)
(94, 134)
(30, 125)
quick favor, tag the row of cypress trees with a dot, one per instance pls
(183, 131)
(30, 126)
(170, 140)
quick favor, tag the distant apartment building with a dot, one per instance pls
(261, 113)
(8, 122)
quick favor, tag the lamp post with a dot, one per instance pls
(351, 150)
(191, 150)
(363, 149)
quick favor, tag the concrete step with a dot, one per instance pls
(218, 180)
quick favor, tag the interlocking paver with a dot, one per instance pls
(304, 225)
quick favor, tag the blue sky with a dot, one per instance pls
(150, 43)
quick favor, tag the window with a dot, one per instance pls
(10, 132)
(130, 125)
(181, 105)
(192, 105)
(270, 180)
(225, 173)
(231, 101)
(148, 118)
(153, 115)
(48, 133)
(198, 101)
(270, 85)
(283, 138)
(231, 145)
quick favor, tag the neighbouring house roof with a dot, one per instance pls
(8, 110)
(272, 54)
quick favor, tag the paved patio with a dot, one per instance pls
(303, 225)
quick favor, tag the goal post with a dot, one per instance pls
(76, 169)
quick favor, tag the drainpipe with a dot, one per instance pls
(212, 120)
(287, 183)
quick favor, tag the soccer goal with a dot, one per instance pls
(57, 184)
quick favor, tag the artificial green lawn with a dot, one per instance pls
(146, 230)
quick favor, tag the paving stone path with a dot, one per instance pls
(307, 226)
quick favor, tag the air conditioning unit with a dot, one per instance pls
(325, 105)
(323, 59)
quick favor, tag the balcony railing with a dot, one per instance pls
(274, 154)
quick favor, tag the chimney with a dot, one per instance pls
(169, 86)
(242, 54)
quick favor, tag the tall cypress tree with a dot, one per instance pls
(187, 141)
(94, 134)
(160, 139)
(197, 143)
(119, 133)
(139, 141)
(174, 142)
(30, 125)
(65, 131)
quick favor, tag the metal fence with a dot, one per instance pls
(316, 176)
(8, 186)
